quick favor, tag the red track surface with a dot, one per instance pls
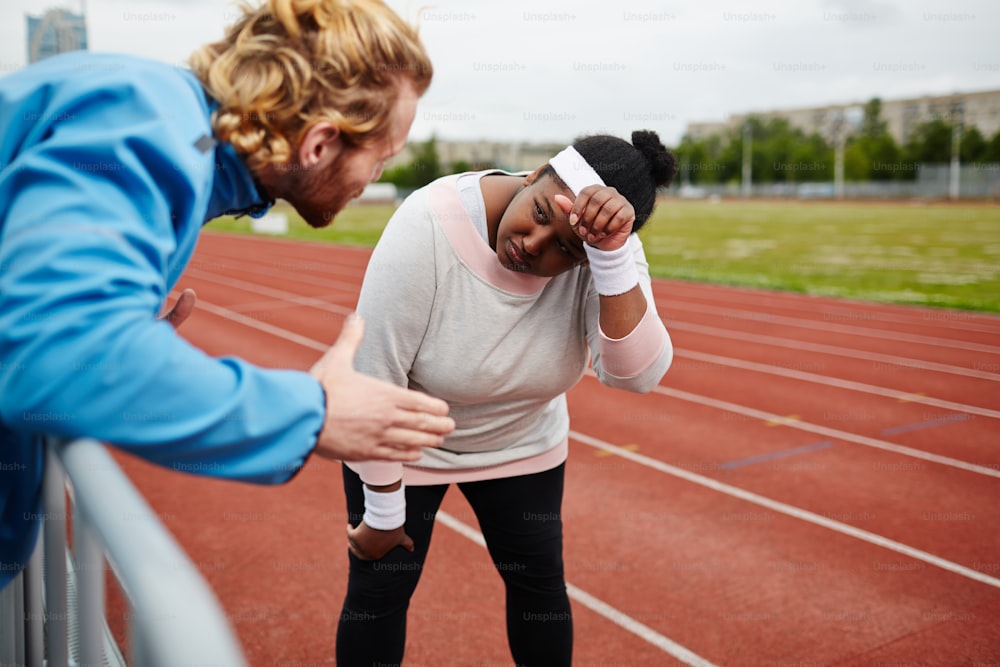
(815, 482)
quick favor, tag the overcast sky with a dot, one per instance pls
(547, 71)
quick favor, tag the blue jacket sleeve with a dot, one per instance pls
(92, 223)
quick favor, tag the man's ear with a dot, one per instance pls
(320, 145)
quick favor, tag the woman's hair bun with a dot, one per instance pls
(662, 163)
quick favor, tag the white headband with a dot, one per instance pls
(574, 171)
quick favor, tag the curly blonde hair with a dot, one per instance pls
(289, 63)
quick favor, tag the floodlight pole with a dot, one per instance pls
(83, 14)
(839, 141)
(747, 156)
(954, 187)
(838, 169)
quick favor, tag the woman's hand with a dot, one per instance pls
(600, 216)
(371, 544)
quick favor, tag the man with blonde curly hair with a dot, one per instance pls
(111, 165)
(315, 115)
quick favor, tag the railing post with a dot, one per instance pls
(54, 508)
(11, 630)
(90, 589)
(34, 619)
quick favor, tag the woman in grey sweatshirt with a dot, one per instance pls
(493, 291)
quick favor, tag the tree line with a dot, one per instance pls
(781, 153)
(425, 166)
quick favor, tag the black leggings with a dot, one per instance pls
(520, 517)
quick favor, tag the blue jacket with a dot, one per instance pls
(108, 171)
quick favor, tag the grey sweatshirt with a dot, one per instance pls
(443, 316)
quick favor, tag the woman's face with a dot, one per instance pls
(534, 235)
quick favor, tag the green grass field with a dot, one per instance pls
(936, 254)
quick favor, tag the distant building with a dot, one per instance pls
(980, 110)
(507, 155)
(57, 31)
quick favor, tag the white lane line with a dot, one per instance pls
(596, 605)
(891, 361)
(288, 243)
(975, 321)
(272, 292)
(680, 652)
(262, 326)
(767, 318)
(863, 311)
(961, 320)
(821, 430)
(789, 510)
(675, 393)
(269, 305)
(850, 385)
(291, 273)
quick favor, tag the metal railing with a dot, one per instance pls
(174, 618)
(934, 181)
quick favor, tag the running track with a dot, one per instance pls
(814, 482)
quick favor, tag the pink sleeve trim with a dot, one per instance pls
(629, 356)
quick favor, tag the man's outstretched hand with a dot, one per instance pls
(368, 419)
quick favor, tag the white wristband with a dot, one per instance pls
(614, 271)
(385, 511)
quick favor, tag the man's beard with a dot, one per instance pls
(317, 195)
